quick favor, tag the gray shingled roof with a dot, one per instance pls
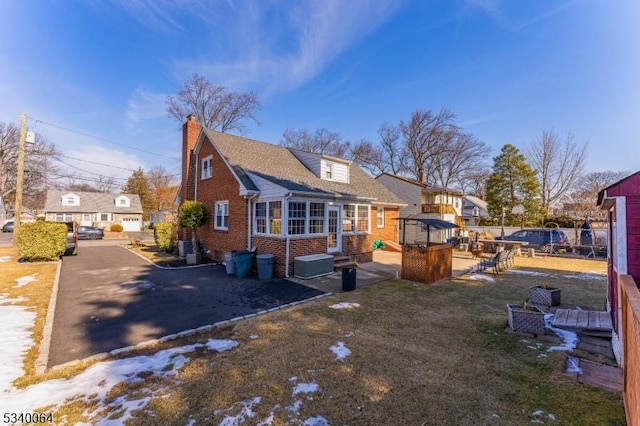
(278, 164)
(91, 202)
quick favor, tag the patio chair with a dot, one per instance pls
(494, 262)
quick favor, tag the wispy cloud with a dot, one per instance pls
(269, 46)
(145, 105)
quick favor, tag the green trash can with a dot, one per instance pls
(265, 266)
(242, 260)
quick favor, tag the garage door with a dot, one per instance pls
(131, 224)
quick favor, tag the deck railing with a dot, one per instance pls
(630, 298)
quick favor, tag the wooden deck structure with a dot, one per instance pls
(596, 323)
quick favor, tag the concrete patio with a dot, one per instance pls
(386, 265)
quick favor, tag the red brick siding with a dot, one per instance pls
(297, 247)
(359, 246)
(305, 246)
(390, 231)
(274, 246)
(222, 186)
(190, 131)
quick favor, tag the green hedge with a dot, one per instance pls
(42, 240)
(164, 234)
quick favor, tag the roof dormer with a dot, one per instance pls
(123, 201)
(70, 199)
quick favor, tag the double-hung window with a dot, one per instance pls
(269, 217)
(355, 218)
(221, 209)
(316, 218)
(363, 218)
(297, 217)
(206, 167)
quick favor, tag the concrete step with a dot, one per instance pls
(345, 264)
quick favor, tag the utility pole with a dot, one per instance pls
(19, 179)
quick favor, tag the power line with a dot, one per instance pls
(101, 139)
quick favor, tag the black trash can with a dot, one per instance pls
(348, 279)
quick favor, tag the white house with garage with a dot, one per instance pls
(94, 209)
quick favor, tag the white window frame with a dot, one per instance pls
(207, 172)
(66, 217)
(225, 213)
(355, 220)
(270, 222)
(380, 217)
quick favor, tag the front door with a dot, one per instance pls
(334, 244)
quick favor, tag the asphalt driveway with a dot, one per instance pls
(110, 298)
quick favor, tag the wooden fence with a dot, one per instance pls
(426, 264)
(630, 299)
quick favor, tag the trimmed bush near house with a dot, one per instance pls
(116, 227)
(164, 235)
(42, 241)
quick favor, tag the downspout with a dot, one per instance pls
(249, 220)
(286, 235)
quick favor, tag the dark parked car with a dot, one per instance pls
(8, 227)
(90, 233)
(540, 238)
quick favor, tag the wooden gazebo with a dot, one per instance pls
(430, 262)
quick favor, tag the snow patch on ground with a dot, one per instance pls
(539, 417)
(340, 350)
(316, 421)
(524, 272)
(569, 338)
(95, 382)
(5, 259)
(573, 365)
(587, 276)
(481, 277)
(22, 281)
(246, 412)
(345, 305)
(16, 337)
(305, 388)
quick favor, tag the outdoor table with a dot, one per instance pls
(504, 243)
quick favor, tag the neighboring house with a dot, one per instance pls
(621, 202)
(163, 216)
(424, 201)
(282, 201)
(94, 209)
(473, 210)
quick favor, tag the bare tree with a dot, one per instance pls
(389, 155)
(559, 164)
(474, 180)
(38, 166)
(215, 107)
(581, 202)
(163, 185)
(322, 141)
(464, 154)
(426, 137)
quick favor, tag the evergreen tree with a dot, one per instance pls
(138, 184)
(512, 182)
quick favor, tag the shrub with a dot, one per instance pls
(116, 227)
(42, 240)
(164, 234)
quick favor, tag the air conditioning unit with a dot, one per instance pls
(312, 266)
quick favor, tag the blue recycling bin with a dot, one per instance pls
(242, 260)
(265, 266)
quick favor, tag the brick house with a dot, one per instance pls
(94, 209)
(428, 202)
(282, 201)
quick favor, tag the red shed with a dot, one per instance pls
(622, 203)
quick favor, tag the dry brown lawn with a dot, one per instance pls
(420, 355)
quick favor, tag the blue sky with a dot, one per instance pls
(508, 69)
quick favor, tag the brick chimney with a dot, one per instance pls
(190, 132)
